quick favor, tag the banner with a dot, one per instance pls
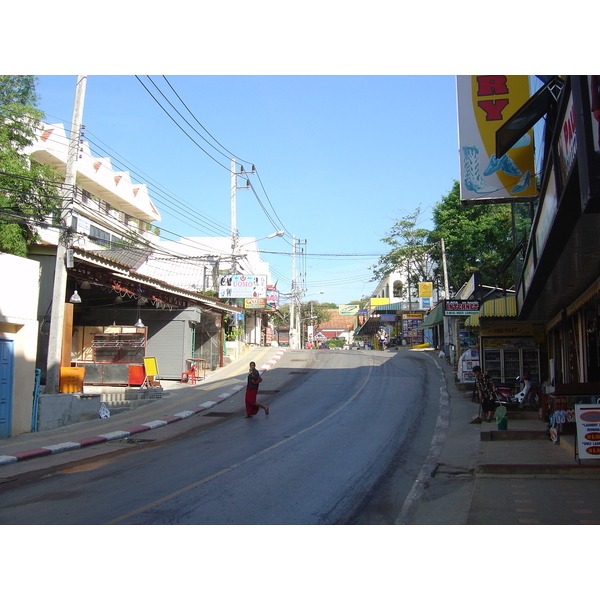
(485, 102)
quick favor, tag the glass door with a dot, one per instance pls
(531, 364)
(492, 364)
(512, 368)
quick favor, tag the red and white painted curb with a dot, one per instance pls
(123, 433)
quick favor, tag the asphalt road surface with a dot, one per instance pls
(347, 435)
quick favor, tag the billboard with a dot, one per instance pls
(348, 310)
(484, 103)
(243, 286)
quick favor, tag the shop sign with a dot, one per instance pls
(548, 211)
(410, 322)
(243, 286)
(508, 342)
(567, 141)
(425, 289)
(272, 299)
(587, 418)
(461, 307)
(255, 303)
(500, 330)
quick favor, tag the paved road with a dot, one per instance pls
(347, 435)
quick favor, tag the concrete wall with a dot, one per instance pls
(58, 410)
(18, 322)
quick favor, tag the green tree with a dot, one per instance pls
(29, 192)
(410, 254)
(477, 238)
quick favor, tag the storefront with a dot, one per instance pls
(508, 348)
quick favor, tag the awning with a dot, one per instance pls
(388, 308)
(370, 326)
(435, 317)
(498, 308)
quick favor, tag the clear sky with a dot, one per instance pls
(339, 158)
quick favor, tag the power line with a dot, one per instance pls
(229, 155)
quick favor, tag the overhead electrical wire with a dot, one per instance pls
(229, 153)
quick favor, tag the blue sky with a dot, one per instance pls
(340, 158)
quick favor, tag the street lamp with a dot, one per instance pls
(267, 237)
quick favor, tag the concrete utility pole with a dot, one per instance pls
(57, 315)
(292, 335)
(234, 231)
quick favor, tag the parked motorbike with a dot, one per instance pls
(528, 395)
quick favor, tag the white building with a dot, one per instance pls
(108, 208)
(394, 287)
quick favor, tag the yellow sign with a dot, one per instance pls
(150, 366)
(426, 289)
(379, 302)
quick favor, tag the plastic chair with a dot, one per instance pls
(189, 376)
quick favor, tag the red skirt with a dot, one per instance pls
(251, 408)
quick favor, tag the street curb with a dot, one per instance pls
(124, 433)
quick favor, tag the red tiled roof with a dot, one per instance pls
(336, 324)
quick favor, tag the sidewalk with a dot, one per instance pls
(524, 448)
(481, 472)
(179, 402)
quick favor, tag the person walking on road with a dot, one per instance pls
(254, 380)
(486, 393)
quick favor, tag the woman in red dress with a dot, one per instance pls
(252, 405)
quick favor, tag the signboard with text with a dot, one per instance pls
(587, 418)
(455, 308)
(243, 286)
(255, 303)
